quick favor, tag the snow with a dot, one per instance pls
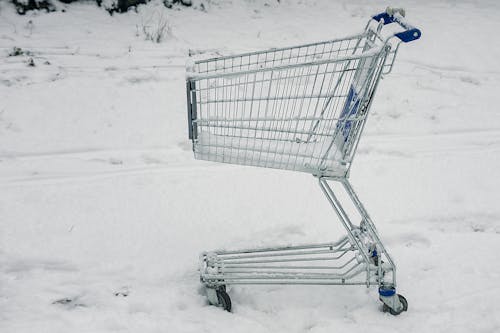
(104, 211)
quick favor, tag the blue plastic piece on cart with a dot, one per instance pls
(409, 35)
(406, 36)
(386, 292)
(350, 108)
(387, 18)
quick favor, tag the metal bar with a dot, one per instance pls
(226, 267)
(229, 268)
(283, 271)
(279, 98)
(215, 120)
(274, 50)
(196, 77)
(192, 114)
(189, 109)
(263, 129)
(211, 121)
(391, 65)
(373, 231)
(281, 276)
(334, 202)
(286, 260)
(340, 242)
(279, 254)
(232, 84)
(286, 282)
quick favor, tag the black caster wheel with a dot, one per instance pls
(224, 299)
(393, 312)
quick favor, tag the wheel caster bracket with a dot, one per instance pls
(219, 297)
(393, 303)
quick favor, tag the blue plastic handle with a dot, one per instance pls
(410, 34)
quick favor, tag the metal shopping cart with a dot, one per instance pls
(299, 108)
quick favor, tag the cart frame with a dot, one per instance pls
(230, 121)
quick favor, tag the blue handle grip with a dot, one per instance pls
(410, 34)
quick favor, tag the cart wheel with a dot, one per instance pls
(393, 312)
(224, 299)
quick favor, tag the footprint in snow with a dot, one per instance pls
(115, 161)
(69, 303)
(416, 240)
(471, 80)
(123, 292)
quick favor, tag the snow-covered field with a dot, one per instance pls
(103, 205)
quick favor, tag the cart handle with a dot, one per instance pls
(398, 15)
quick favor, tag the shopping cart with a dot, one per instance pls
(299, 108)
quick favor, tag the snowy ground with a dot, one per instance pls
(101, 198)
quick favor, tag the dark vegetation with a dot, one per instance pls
(115, 6)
